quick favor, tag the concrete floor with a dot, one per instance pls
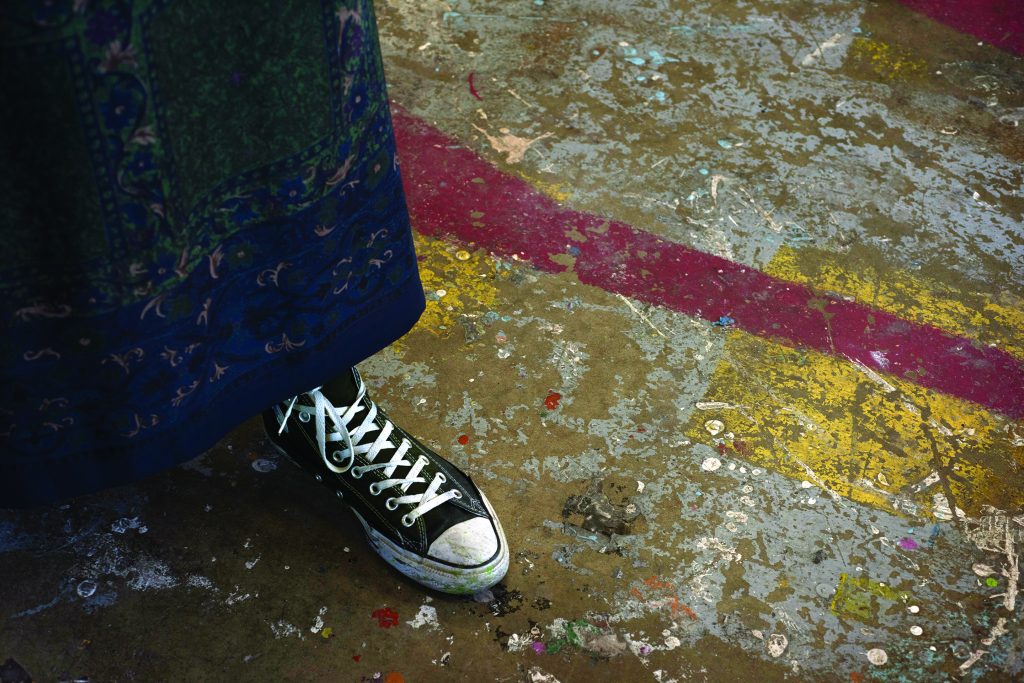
(776, 507)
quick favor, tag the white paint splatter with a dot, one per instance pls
(715, 405)
(710, 464)
(916, 630)
(282, 629)
(538, 675)
(318, 621)
(776, 644)
(816, 54)
(236, 597)
(714, 427)
(877, 656)
(427, 616)
(518, 643)
(199, 581)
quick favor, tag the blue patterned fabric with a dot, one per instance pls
(202, 215)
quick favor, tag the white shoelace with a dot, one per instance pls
(341, 461)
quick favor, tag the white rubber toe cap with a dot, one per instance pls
(469, 544)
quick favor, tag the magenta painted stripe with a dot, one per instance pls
(999, 22)
(454, 193)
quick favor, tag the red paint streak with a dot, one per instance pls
(444, 182)
(386, 617)
(472, 88)
(356, 658)
(1000, 22)
(464, 439)
(551, 402)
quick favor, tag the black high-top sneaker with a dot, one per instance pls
(422, 514)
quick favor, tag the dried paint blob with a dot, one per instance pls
(913, 609)
(464, 439)
(714, 427)
(462, 255)
(991, 582)
(551, 402)
(776, 644)
(907, 544)
(710, 464)
(982, 569)
(916, 630)
(806, 484)
(264, 465)
(385, 616)
(877, 656)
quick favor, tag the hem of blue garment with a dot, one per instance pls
(51, 479)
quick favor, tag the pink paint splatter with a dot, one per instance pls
(386, 617)
(539, 647)
(551, 402)
(907, 544)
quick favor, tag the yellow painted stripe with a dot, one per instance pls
(868, 438)
(969, 314)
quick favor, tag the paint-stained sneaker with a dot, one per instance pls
(422, 514)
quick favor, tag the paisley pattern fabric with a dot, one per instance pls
(201, 214)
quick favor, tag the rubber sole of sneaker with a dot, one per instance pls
(434, 574)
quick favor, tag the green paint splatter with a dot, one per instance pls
(991, 583)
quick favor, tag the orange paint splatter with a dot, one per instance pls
(464, 439)
(680, 607)
(394, 677)
(551, 402)
(856, 677)
(654, 584)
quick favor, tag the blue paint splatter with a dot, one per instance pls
(724, 321)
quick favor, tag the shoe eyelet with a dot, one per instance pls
(441, 478)
(458, 495)
(406, 522)
(339, 493)
(391, 504)
(318, 477)
(357, 472)
(374, 489)
(304, 417)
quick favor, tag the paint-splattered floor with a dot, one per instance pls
(725, 316)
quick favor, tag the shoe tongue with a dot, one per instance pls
(342, 390)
